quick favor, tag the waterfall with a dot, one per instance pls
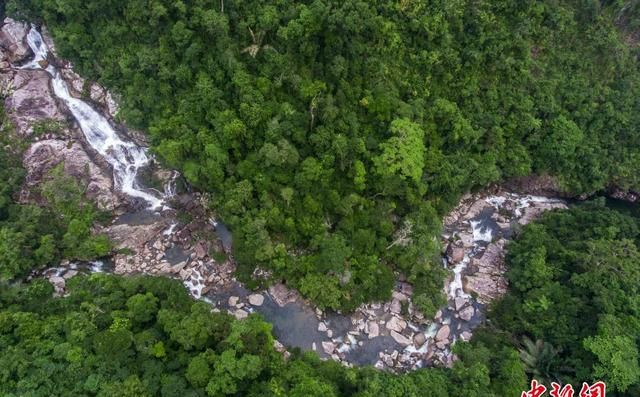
(125, 157)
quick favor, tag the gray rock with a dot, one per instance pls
(134, 237)
(488, 282)
(240, 314)
(178, 267)
(322, 327)
(43, 155)
(455, 253)
(399, 296)
(233, 300)
(401, 339)
(374, 329)
(13, 39)
(256, 299)
(419, 339)
(32, 101)
(459, 302)
(396, 324)
(200, 250)
(58, 282)
(467, 313)
(443, 333)
(395, 307)
(282, 295)
(328, 347)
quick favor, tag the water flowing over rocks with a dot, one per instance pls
(30, 102)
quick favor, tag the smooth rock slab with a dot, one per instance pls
(396, 324)
(256, 299)
(401, 339)
(467, 313)
(240, 314)
(443, 333)
(328, 347)
(374, 329)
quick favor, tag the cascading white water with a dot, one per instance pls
(126, 158)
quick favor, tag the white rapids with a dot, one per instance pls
(126, 158)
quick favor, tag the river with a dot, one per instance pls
(381, 334)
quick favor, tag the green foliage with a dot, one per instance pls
(32, 237)
(144, 336)
(574, 279)
(322, 121)
(314, 120)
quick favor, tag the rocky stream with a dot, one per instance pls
(41, 90)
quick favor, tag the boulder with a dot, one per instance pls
(200, 249)
(396, 324)
(43, 155)
(134, 237)
(13, 39)
(97, 93)
(467, 313)
(401, 339)
(455, 254)
(178, 268)
(282, 295)
(399, 296)
(395, 306)
(240, 314)
(256, 299)
(58, 282)
(459, 302)
(322, 327)
(374, 329)
(74, 81)
(443, 333)
(488, 281)
(32, 101)
(466, 239)
(328, 347)
(233, 300)
(419, 339)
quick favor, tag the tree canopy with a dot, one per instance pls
(317, 121)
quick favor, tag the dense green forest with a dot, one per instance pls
(334, 134)
(573, 306)
(33, 236)
(572, 316)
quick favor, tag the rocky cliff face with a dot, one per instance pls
(42, 121)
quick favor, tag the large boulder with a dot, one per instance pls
(487, 281)
(283, 295)
(32, 101)
(443, 333)
(43, 155)
(13, 40)
(135, 237)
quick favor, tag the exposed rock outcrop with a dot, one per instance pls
(12, 40)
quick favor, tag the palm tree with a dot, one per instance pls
(256, 44)
(538, 358)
